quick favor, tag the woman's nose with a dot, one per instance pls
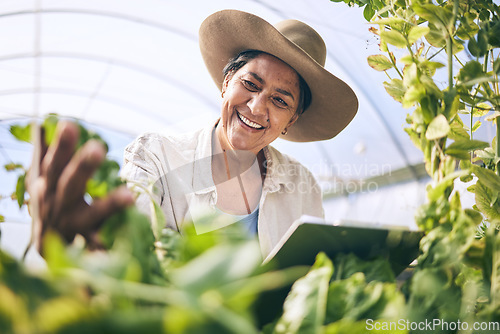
(257, 104)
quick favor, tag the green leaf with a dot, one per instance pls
(467, 145)
(389, 21)
(487, 177)
(430, 87)
(438, 128)
(393, 37)
(457, 131)
(416, 33)
(218, 266)
(304, 309)
(472, 70)
(476, 126)
(21, 133)
(436, 37)
(13, 166)
(379, 62)
(368, 12)
(441, 17)
(481, 109)
(458, 154)
(467, 30)
(487, 200)
(487, 153)
(105, 179)
(478, 47)
(439, 190)
(54, 252)
(395, 89)
(494, 33)
(2, 219)
(406, 60)
(414, 94)
(130, 230)
(378, 269)
(354, 299)
(21, 190)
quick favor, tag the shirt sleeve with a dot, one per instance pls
(143, 170)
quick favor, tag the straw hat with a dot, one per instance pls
(225, 34)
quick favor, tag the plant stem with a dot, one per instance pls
(498, 145)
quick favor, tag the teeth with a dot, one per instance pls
(249, 122)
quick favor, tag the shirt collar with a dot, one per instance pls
(202, 166)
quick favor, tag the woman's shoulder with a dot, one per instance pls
(155, 141)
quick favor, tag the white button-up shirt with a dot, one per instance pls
(180, 167)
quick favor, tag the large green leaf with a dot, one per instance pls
(438, 128)
(305, 307)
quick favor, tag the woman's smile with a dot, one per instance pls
(251, 124)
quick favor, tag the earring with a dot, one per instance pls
(284, 132)
(222, 94)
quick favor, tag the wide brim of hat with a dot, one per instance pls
(226, 33)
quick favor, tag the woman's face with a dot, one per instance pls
(259, 101)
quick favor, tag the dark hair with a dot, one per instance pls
(244, 57)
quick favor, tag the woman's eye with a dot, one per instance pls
(250, 85)
(280, 102)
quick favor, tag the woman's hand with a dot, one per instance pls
(60, 187)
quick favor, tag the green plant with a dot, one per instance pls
(422, 40)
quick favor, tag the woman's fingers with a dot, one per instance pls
(59, 154)
(73, 180)
(105, 207)
(86, 219)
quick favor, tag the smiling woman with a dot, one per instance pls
(273, 84)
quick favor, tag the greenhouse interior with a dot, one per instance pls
(129, 67)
